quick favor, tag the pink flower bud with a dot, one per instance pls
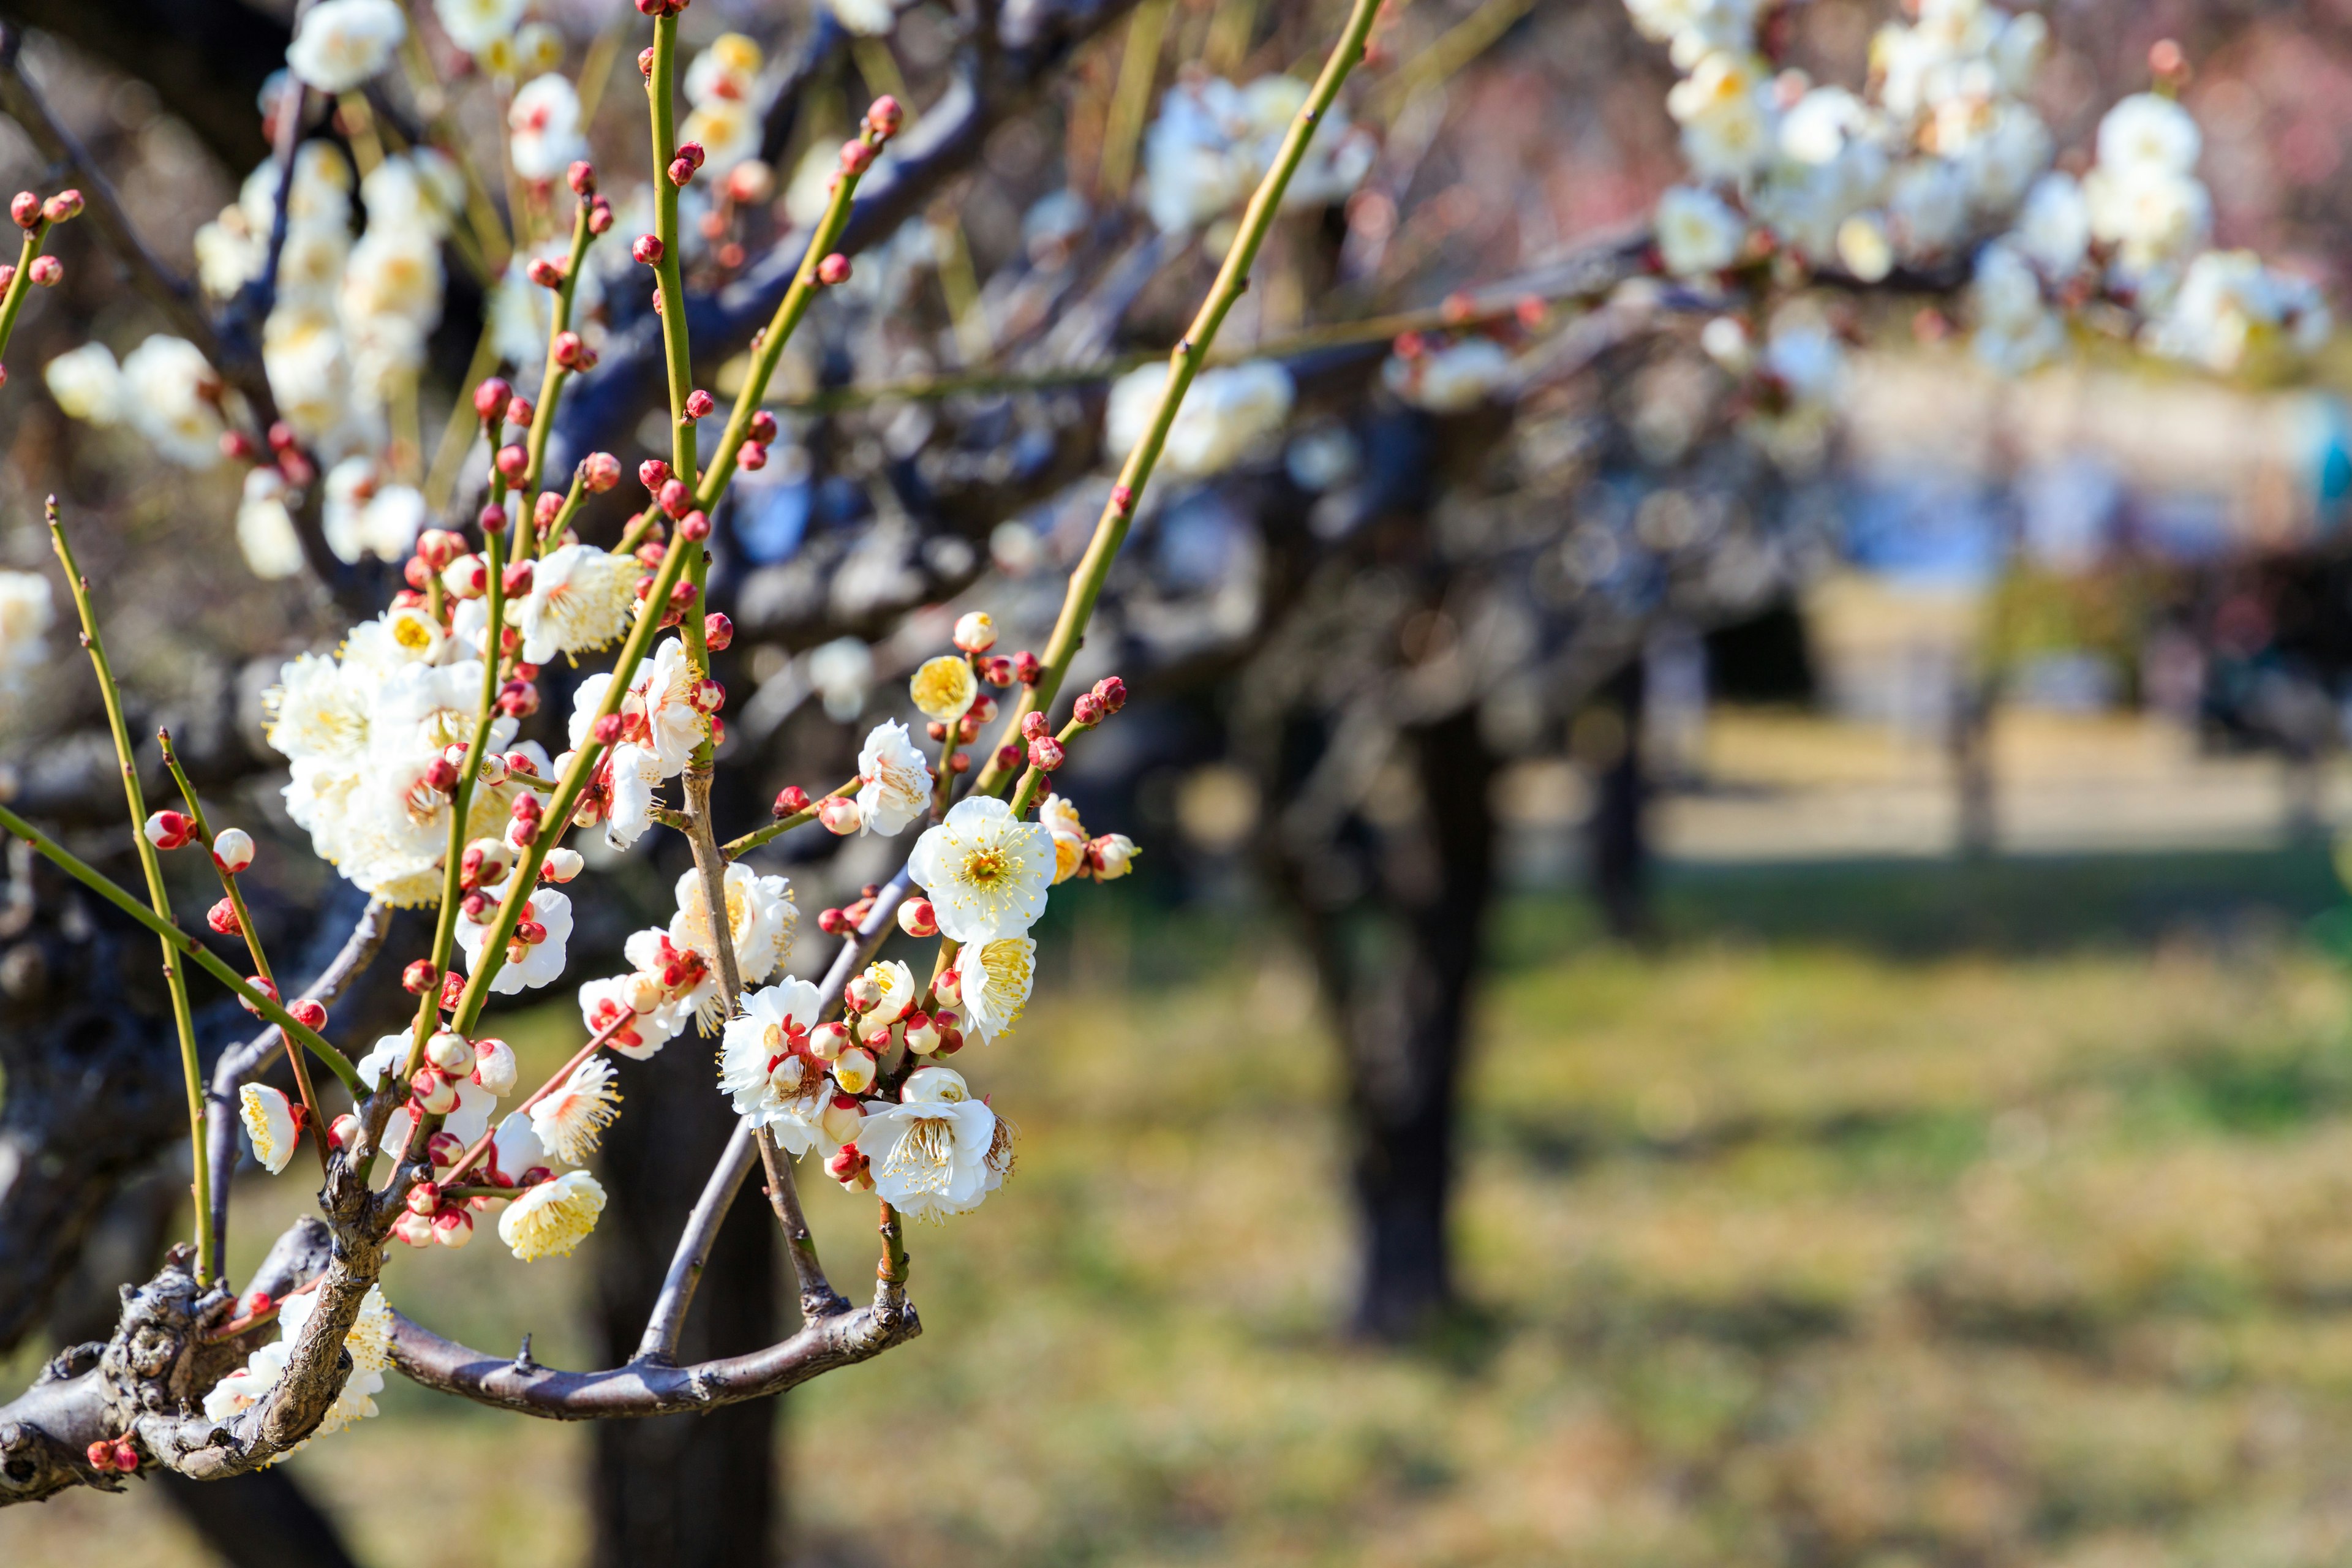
(856, 157)
(518, 576)
(884, 117)
(517, 700)
(699, 405)
(512, 462)
(791, 801)
(169, 830)
(100, 1454)
(561, 865)
(718, 632)
(453, 1226)
(606, 729)
(434, 1095)
(691, 152)
(547, 274)
(256, 983)
(600, 216)
(709, 696)
(61, 206)
(1122, 498)
(647, 249)
(676, 498)
(344, 1132)
(1008, 757)
(545, 510)
(566, 349)
(490, 520)
(833, 270)
(1088, 710)
(581, 178)
(840, 814)
(917, 918)
(418, 977)
(520, 410)
(26, 208)
(436, 547)
(948, 986)
(441, 776)
(1034, 726)
(468, 576)
(996, 671)
(424, 1197)
(653, 473)
(221, 917)
(681, 173)
(827, 1041)
(861, 991)
(491, 396)
(600, 472)
(751, 457)
(1027, 669)
(694, 527)
(1046, 753)
(921, 1035)
(310, 1015)
(453, 991)
(1111, 691)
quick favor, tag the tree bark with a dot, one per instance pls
(1616, 833)
(685, 1491)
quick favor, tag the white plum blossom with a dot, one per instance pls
(1697, 231)
(2230, 305)
(545, 120)
(601, 1002)
(934, 1152)
(1225, 413)
(339, 44)
(26, 613)
(1454, 379)
(268, 1118)
(985, 870)
(867, 18)
(571, 1118)
(2053, 227)
(551, 1218)
(1725, 109)
(2015, 329)
(994, 978)
(265, 528)
(87, 384)
(760, 918)
(1212, 141)
(581, 598)
(895, 781)
(541, 962)
(476, 26)
(368, 1342)
(769, 1082)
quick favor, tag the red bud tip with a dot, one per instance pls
(47, 272)
(26, 208)
(1112, 691)
(653, 473)
(544, 272)
(1027, 669)
(442, 777)
(513, 462)
(600, 216)
(791, 801)
(520, 410)
(694, 526)
(884, 117)
(647, 249)
(221, 917)
(856, 157)
(833, 270)
(1122, 498)
(309, 1014)
(606, 729)
(1008, 757)
(681, 173)
(518, 576)
(645, 57)
(545, 510)
(700, 405)
(676, 498)
(1088, 710)
(418, 977)
(491, 396)
(581, 178)
(751, 457)
(599, 472)
(61, 206)
(1035, 725)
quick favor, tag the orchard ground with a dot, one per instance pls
(1884, 1214)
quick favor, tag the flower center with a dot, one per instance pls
(925, 1156)
(984, 869)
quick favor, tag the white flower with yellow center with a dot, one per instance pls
(318, 710)
(573, 1116)
(757, 1067)
(1061, 819)
(581, 598)
(994, 979)
(368, 1340)
(553, 1218)
(986, 870)
(944, 687)
(339, 44)
(930, 1152)
(475, 25)
(541, 962)
(729, 68)
(268, 1118)
(760, 918)
(896, 781)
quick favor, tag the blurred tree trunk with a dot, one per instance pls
(682, 1491)
(1396, 962)
(1617, 833)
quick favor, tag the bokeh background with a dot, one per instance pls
(1906, 1111)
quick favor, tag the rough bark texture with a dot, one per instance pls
(689, 1492)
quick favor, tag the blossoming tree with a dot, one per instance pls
(410, 773)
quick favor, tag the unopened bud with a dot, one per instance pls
(414, 1229)
(518, 578)
(1034, 726)
(1111, 691)
(834, 270)
(434, 1095)
(647, 250)
(917, 918)
(718, 632)
(425, 1197)
(453, 991)
(441, 776)
(854, 1069)
(1088, 710)
(453, 1226)
(1027, 669)
(922, 1036)
(169, 830)
(827, 1041)
(468, 576)
(26, 208)
(763, 427)
(344, 1132)
(884, 117)
(856, 157)
(544, 272)
(494, 1066)
(1008, 757)
(600, 216)
(842, 1120)
(700, 405)
(46, 272)
(233, 850)
(492, 397)
(580, 177)
(600, 472)
(521, 410)
(996, 671)
(221, 917)
(512, 462)
(436, 547)
(561, 865)
(308, 1013)
(1122, 498)
(840, 814)
(948, 986)
(418, 977)
(791, 801)
(450, 1052)
(61, 206)
(976, 631)
(1046, 753)
(751, 457)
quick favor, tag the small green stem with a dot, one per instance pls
(551, 379)
(13, 299)
(737, 848)
(152, 864)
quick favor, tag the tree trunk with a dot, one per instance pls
(1396, 962)
(683, 1491)
(1617, 837)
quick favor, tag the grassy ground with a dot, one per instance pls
(1811, 1239)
